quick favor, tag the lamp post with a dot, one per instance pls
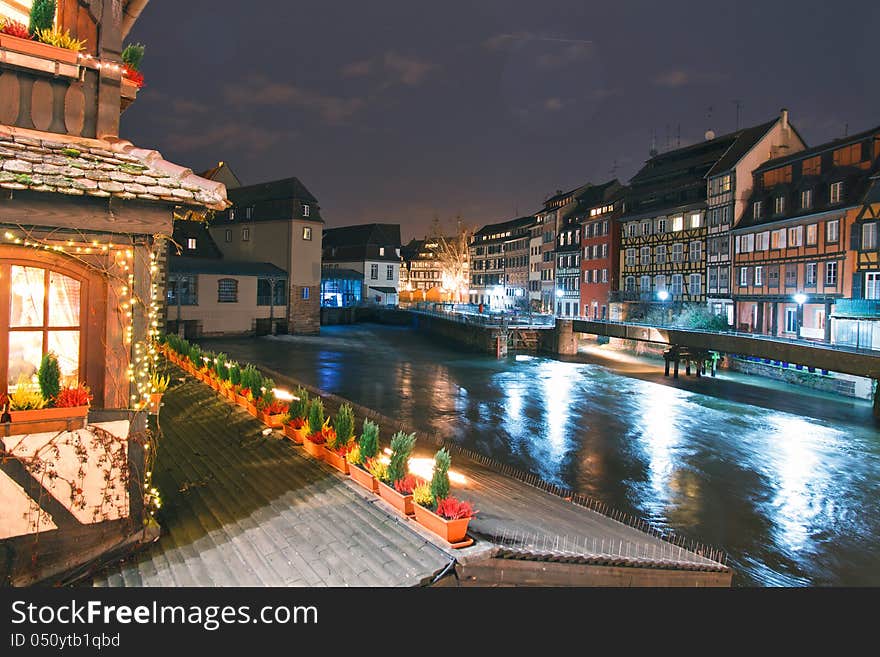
(663, 296)
(800, 299)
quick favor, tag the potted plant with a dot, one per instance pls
(132, 78)
(314, 442)
(29, 409)
(272, 412)
(436, 510)
(368, 448)
(378, 470)
(401, 447)
(341, 439)
(29, 40)
(296, 423)
(158, 386)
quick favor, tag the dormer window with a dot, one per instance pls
(779, 205)
(305, 209)
(381, 250)
(249, 213)
(191, 243)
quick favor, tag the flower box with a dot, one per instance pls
(364, 478)
(294, 434)
(314, 449)
(335, 459)
(39, 49)
(155, 403)
(272, 421)
(241, 400)
(45, 420)
(403, 503)
(451, 531)
(251, 408)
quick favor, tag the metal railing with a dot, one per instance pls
(470, 314)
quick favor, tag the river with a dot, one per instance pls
(785, 480)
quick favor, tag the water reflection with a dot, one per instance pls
(793, 499)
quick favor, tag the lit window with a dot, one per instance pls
(696, 220)
(832, 231)
(812, 234)
(777, 239)
(227, 290)
(381, 250)
(678, 223)
(245, 234)
(806, 199)
(191, 243)
(305, 293)
(795, 236)
(307, 233)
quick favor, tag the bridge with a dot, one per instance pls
(836, 358)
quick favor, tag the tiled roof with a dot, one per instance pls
(187, 265)
(743, 144)
(821, 148)
(90, 167)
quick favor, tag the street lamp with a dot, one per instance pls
(663, 295)
(800, 299)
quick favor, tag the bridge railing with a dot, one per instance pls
(470, 314)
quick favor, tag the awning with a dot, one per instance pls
(384, 290)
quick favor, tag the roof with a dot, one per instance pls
(559, 195)
(286, 188)
(206, 247)
(378, 234)
(341, 274)
(872, 196)
(504, 226)
(187, 265)
(593, 195)
(76, 166)
(815, 150)
(743, 144)
(383, 290)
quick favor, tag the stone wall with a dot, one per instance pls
(841, 384)
(305, 314)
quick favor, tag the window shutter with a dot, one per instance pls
(855, 237)
(857, 285)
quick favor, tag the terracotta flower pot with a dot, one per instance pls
(294, 434)
(252, 409)
(38, 49)
(364, 478)
(403, 503)
(272, 421)
(451, 531)
(155, 403)
(314, 449)
(45, 420)
(334, 459)
(241, 400)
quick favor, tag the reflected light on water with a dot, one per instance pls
(660, 436)
(557, 381)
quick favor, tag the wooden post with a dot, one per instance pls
(666, 364)
(675, 371)
(687, 366)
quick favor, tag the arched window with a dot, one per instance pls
(41, 311)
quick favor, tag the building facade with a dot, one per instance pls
(278, 223)
(373, 250)
(600, 246)
(516, 264)
(796, 249)
(536, 241)
(488, 265)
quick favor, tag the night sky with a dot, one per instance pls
(400, 111)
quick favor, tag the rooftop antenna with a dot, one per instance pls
(846, 129)
(667, 137)
(739, 105)
(678, 137)
(653, 152)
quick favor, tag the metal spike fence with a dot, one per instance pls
(664, 534)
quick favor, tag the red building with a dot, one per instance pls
(600, 245)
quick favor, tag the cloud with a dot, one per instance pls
(357, 69)
(263, 92)
(501, 41)
(391, 69)
(677, 78)
(230, 136)
(572, 53)
(602, 94)
(183, 106)
(553, 104)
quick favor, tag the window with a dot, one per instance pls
(661, 225)
(249, 213)
(231, 214)
(660, 283)
(306, 209)
(696, 220)
(678, 252)
(723, 279)
(869, 236)
(228, 235)
(791, 324)
(677, 285)
(661, 254)
(630, 258)
(646, 228)
(777, 239)
(227, 290)
(374, 272)
(645, 256)
(381, 250)
(678, 223)
(762, 241)
(645, 285)
(696, 252)
(806, 199)
(773, 276)
(604, 275)
(812, 234)
(779, 205)
(630, 284)
(695, 285)
(811, 274)
(830, 274)
(791, 277)
(836, 192)
(795, 236)
(191, 243)
(182, 290)
(743, 276)
(872, 285)
(245, 234)
(271, 289)
(713, 278)
(759, 276)
(44, 315)
(307, 233)
(746, 243)
(631, 230)
(389, 273)
(604, 250)
(306, 292)
(832, 231)
(757, 209)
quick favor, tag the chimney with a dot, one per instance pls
(784, 116)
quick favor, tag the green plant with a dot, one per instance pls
(27, 396)
(251, 379)
(353, 456)
(300, 406)
(440, 479)
(49, 376)
(343, 423)
(133, 55)
(42, 16)
(316, 415)
(422, 495)
(369, 442)
(220, 368)
(376, 468)
(401, 447)
(59, 39)
(159, 383)
(234, 374)
(195, 355)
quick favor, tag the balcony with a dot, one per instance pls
(857, 308)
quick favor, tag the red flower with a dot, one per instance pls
(275, 408)
(406, 485)
(453, 509)
(135, 76)
(297, 423)
(16, 29)
(318, 438)
(73, 397)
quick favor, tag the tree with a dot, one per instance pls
(453, 257)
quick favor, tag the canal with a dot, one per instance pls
(786, 481)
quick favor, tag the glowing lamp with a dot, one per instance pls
(800, 298)
(663, 295)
